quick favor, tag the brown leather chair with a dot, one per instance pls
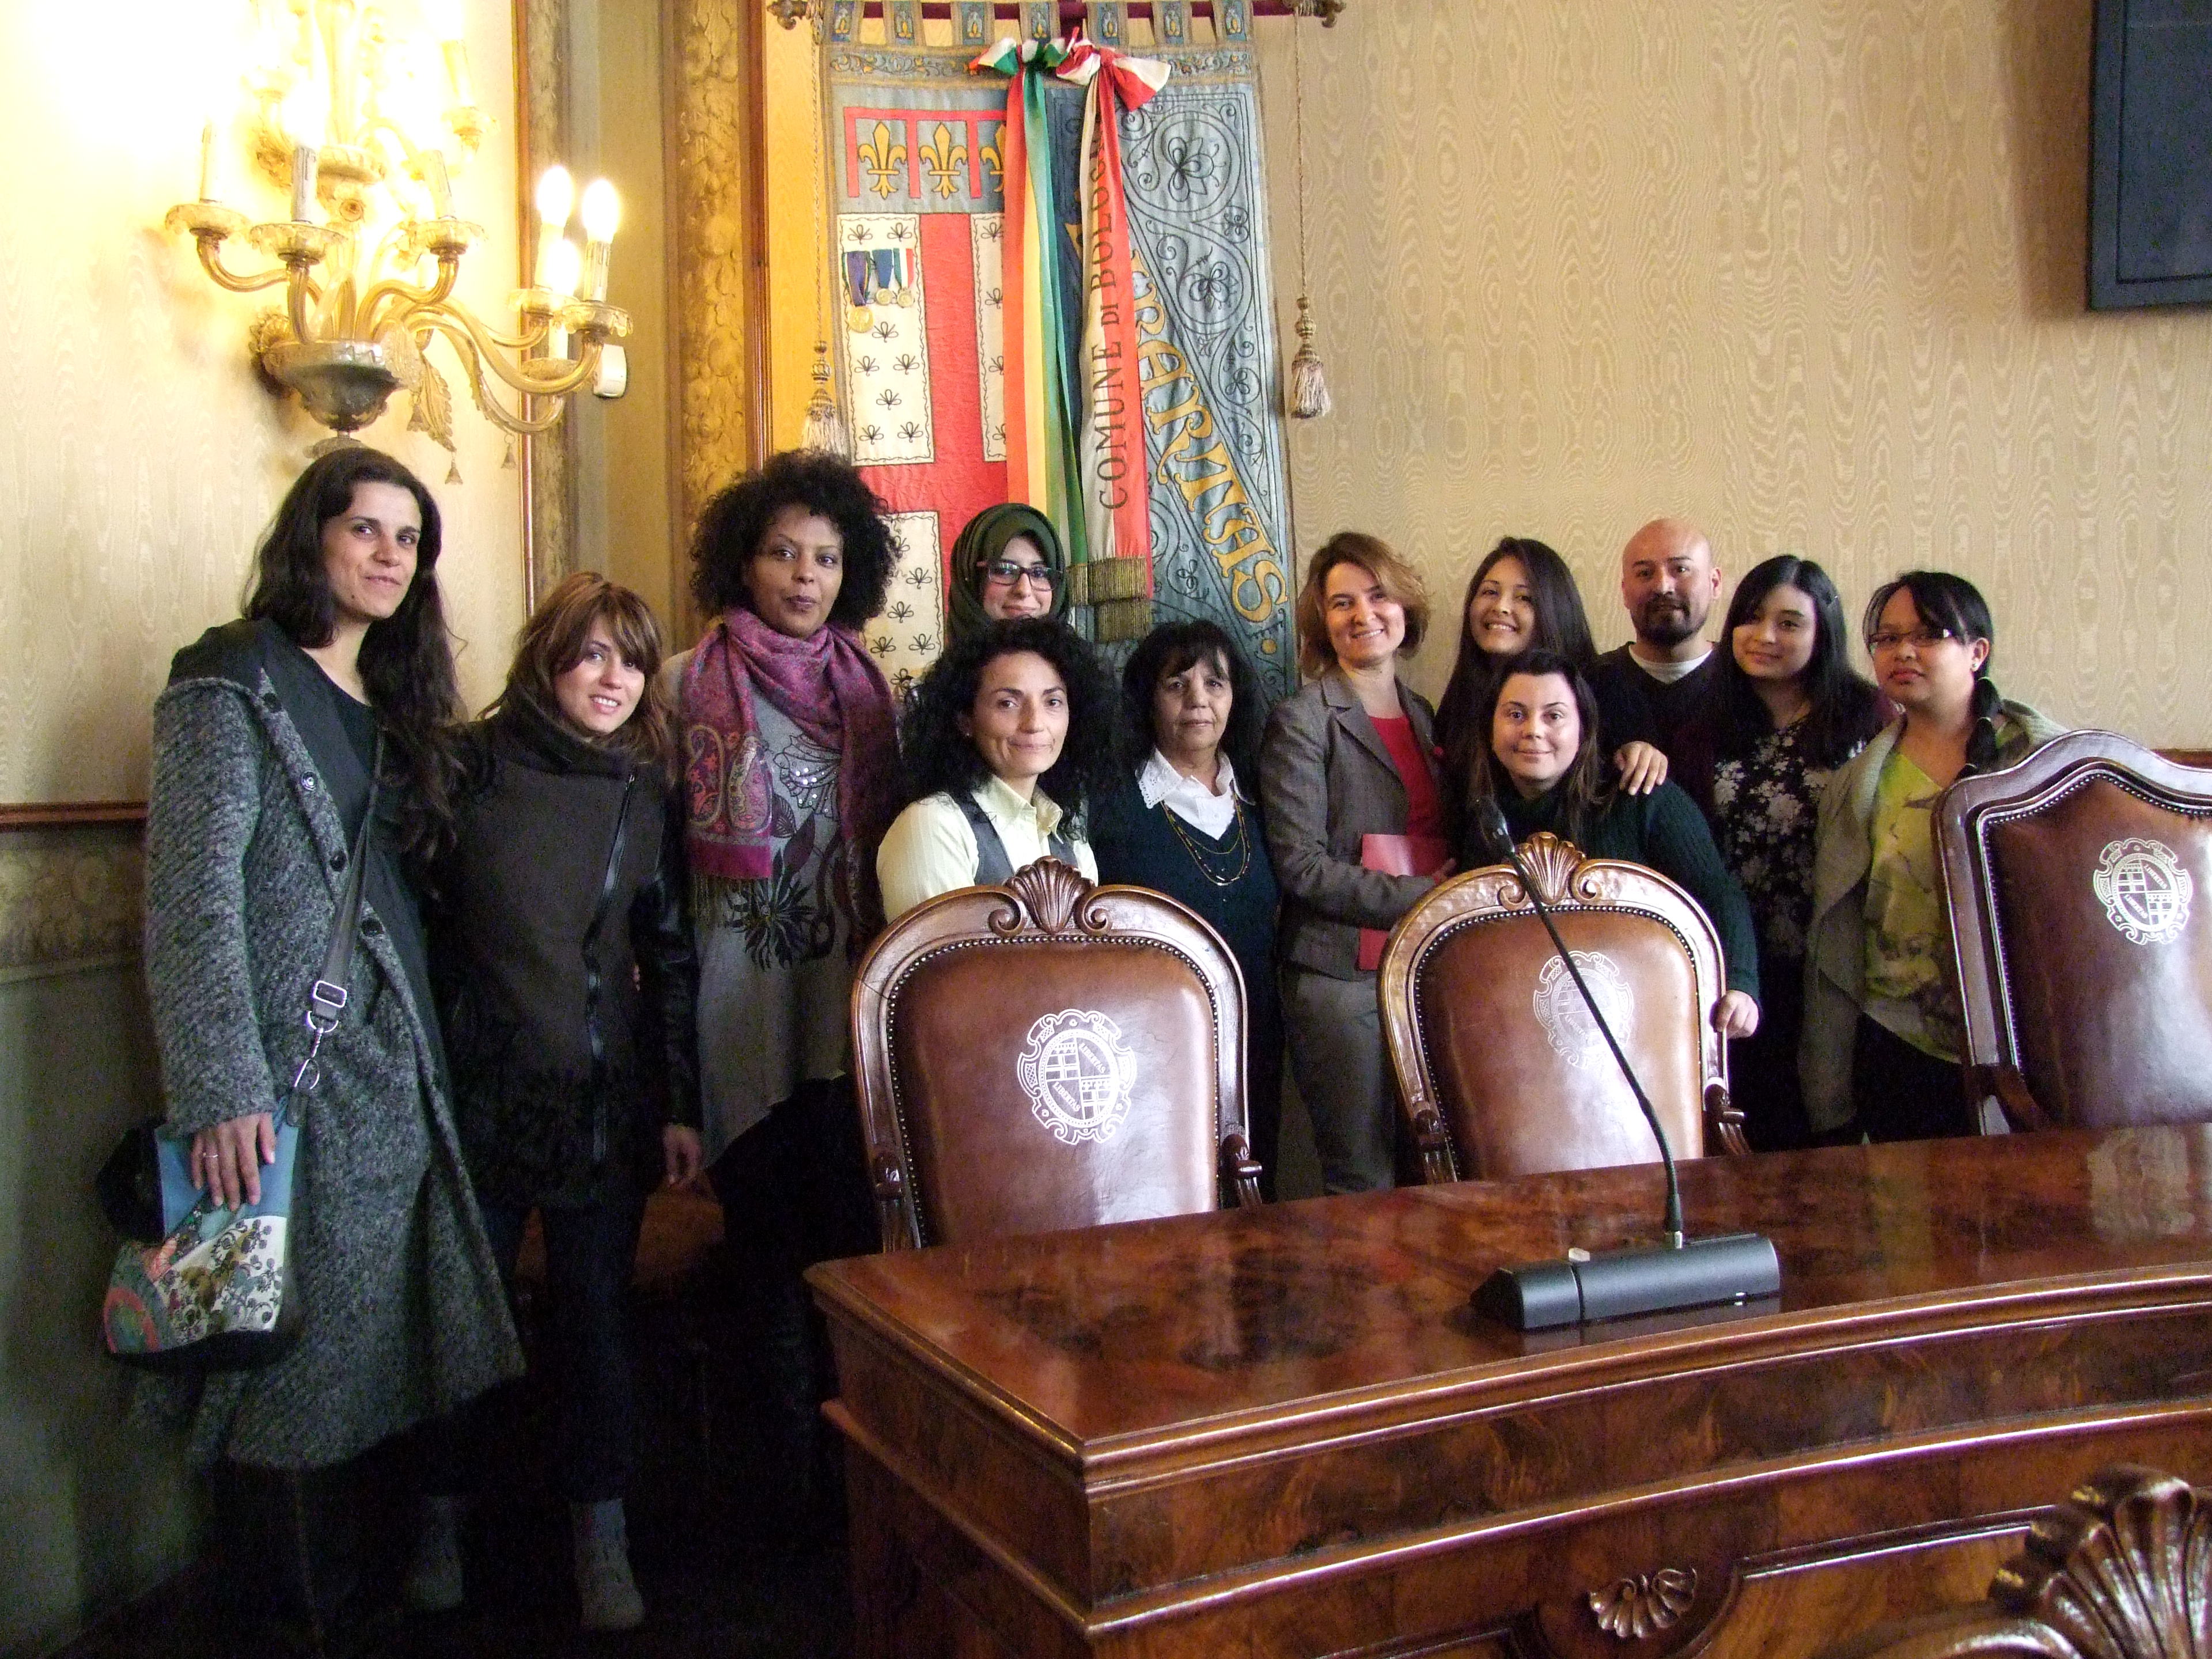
(1049, 1054)
(2122, 1570)
(2076, 883)
(1500, 1068)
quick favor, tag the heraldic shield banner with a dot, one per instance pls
(994, 353)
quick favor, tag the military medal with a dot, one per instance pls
(858, 318)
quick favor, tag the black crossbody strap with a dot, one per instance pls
(327, 997)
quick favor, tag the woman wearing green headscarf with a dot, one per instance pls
(1007, 563)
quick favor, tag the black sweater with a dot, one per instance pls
(1665, 830)
(562, 955)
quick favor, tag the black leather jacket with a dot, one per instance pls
(561, 950)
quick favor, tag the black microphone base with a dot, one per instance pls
(1538, 1296)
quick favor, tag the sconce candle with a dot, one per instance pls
(303, 182)
(207, 162)
(430, 167)
(602, 215)
(560, 274)
(556, 198)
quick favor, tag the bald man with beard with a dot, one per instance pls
(1660, 685)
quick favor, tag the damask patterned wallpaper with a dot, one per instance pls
(1808, 271)
(139, 457)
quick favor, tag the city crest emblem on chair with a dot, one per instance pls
(1078, 1074)
(2143, 889)
(1559, 1009)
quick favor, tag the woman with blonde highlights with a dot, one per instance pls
(1348, 776)
(567, 988)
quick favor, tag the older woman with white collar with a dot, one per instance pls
(1179, 821)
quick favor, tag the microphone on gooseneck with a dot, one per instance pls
(1609, 1284)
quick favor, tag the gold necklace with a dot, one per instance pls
(1198, 858)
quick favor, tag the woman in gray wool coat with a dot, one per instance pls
(263, 745)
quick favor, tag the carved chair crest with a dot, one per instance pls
(1566, 880)
(1046, 901)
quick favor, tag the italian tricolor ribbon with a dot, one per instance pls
(1111, 446)
(1075, 444)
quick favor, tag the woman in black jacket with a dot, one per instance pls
(568, 991)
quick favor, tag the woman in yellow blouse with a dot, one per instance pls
(1882, 1042)
(1009, 739)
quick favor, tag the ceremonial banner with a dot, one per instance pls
(1098, 340)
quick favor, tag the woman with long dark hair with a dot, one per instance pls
(1883, 1038)
(1544, 775)
(265, 743)
(566, 979)
(1008, 745)
(1179, 820)
(1788, 709)
(791, 767)
(1523, 597)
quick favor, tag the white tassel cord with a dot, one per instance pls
(1309, 399)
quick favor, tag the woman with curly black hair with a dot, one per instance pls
(790, 767)
(1179, 820)
(1009, 740)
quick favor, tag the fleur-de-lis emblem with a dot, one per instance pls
(916, 578)
(994, 297)
(861, 231)
(910, 431)
(885, 158)
(998, 365)
(924, 643)
(865, 365)
(898, 611)
(901, 231)
(906, 362)
(993, 157)
(887, 398)
(882, 645)
(874, 435)
(946, 162)
(886, 330)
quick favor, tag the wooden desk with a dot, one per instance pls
(1282, 1431)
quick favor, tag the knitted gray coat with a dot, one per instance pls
(245, 860)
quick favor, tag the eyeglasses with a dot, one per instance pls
(1007, 574)
(1918, 638)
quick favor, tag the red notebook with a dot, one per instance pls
(1396, 855)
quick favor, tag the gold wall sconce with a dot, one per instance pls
(343, 117)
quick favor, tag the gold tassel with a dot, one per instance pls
(823, 428)
(1310, 397)
(1115, 620)
(1099, 581)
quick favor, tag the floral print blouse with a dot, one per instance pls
(1766, 810)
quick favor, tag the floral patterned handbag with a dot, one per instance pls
(215, 1292)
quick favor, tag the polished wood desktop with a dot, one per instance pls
(1285, 1431)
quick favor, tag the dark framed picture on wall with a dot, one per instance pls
(2150, 154)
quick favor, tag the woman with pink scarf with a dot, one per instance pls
(791, 767)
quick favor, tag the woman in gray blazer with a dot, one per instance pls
(1352, 755)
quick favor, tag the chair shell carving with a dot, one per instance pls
(1499, 1068)
(2122, 1570)
(2076, 884)
(1049, 1053)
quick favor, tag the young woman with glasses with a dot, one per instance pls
(1007, 564)
(1883, 1041)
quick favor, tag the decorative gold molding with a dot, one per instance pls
(718, 200)
(549, 517)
